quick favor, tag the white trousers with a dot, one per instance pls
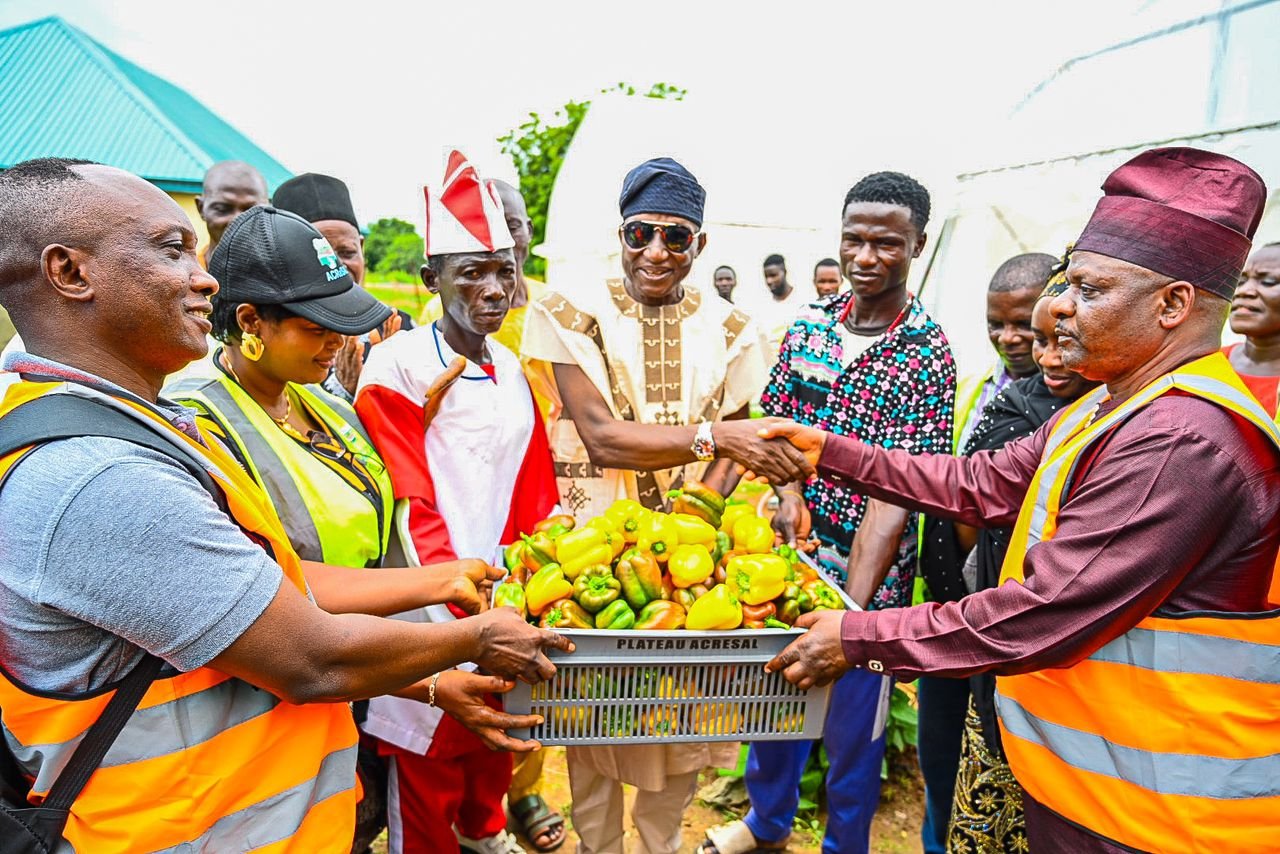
(597, 813)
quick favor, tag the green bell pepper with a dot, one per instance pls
(723, 544)
(512, 556)
(824, 598)
(641, 578)
(510, 594)
(596, 587)
(616, 615)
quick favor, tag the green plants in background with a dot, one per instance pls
(538, 146)
(393, 246)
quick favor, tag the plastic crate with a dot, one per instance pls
(664, 687)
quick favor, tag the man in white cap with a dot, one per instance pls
(458, 491)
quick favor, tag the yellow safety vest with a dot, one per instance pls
(1167, 738)
(968, 390)
(207, 762)
(338, 514)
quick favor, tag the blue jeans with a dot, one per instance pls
(855, 751)
(943, 705)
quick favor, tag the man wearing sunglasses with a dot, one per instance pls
(654, 379)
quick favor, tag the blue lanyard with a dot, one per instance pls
(435, 331)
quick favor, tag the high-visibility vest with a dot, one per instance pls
(1167, 738)
(968, 392)
(207, 762)
(338, 514)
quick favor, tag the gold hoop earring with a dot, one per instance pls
(252, 347)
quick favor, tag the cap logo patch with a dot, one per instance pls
(324, 253)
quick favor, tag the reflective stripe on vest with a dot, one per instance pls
(1168, 737)
(326, 518)
(207, 762)
(968, 392)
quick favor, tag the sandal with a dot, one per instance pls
(737, 838)
(543, 827)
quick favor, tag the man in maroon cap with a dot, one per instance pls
(1138, 647)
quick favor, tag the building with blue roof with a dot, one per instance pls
(64, 94)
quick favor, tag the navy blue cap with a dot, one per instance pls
(662, 186)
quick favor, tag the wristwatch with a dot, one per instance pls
(704, 444)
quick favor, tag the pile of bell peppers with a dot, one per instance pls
(709, 564)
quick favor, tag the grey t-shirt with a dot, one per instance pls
(108, 548)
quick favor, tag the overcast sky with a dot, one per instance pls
(374, 91)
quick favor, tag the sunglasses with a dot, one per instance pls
(639, 234)
(327, 446)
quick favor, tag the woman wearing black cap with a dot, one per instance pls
(285, 308)
(287, 304)
(325, 202)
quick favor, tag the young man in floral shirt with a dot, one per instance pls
(869, 363)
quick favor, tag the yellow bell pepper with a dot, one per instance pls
(574, 543)
(599, 553)
(627, 515)
(717, 718)
(613, 536)
(690, 565)
(732, 513)
(751, 534)
(694, 531)
(658, 536)
(718, 610)
(546, 586)
(757, 578)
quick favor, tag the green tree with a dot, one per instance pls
(403, 254)
(391, 245)
(538, 148)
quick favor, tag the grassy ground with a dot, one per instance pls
(410, 298)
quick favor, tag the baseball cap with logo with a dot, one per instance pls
(272, 257)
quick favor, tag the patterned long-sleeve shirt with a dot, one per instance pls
(897, 392)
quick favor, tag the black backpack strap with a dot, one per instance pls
(98, 740)
(67, 416)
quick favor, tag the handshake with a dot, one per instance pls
(773, 449)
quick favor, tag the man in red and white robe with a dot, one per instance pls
(468, 478)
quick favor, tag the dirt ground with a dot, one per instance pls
(896, 829)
